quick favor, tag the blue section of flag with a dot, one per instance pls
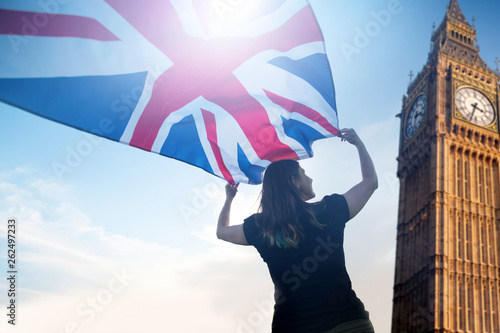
(183, 143)
(304, 134)
(312, 69)
(92, 103)
(253, 172)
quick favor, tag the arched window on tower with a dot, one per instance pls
(487, 186)
(459, 238)
(494, 310)
(470, 304)
(468, 251)
(466, 180)
(487, 257)
(480, 183)
(453, 301)
(482, 238)
(460, 305)
(491, 257)
(458, 175)
(486, 308)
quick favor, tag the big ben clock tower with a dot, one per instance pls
(447, 275)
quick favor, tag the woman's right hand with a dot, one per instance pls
(231, 190)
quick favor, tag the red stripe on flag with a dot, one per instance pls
(253, 120)
(158, 22)
(292, 106)
(15, 22)
(211, 129)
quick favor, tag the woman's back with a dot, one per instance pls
(312, 288)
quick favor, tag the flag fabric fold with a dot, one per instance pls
(227, 86)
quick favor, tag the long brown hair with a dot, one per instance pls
(282, 205)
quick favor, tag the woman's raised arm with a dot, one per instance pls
(230, 233)
(358, 195)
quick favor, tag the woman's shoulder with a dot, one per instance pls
(333, 205)
(252, 222)
(251, 229)
(330, 200)
(252, 219)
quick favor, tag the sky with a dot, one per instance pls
(125, 240)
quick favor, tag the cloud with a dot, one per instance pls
(68, 269)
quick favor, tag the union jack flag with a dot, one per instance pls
(226, 85)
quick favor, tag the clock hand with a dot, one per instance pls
(414, 119)
(474, 107)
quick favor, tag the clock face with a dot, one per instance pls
(415, 115)
(474, 106)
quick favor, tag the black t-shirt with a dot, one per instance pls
(313, 291)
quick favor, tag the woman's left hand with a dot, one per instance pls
(231, 190)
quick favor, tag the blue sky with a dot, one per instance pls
(125, 242)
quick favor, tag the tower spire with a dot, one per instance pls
(455, 37)
(455, 13)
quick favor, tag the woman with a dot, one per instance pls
(302, 244)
